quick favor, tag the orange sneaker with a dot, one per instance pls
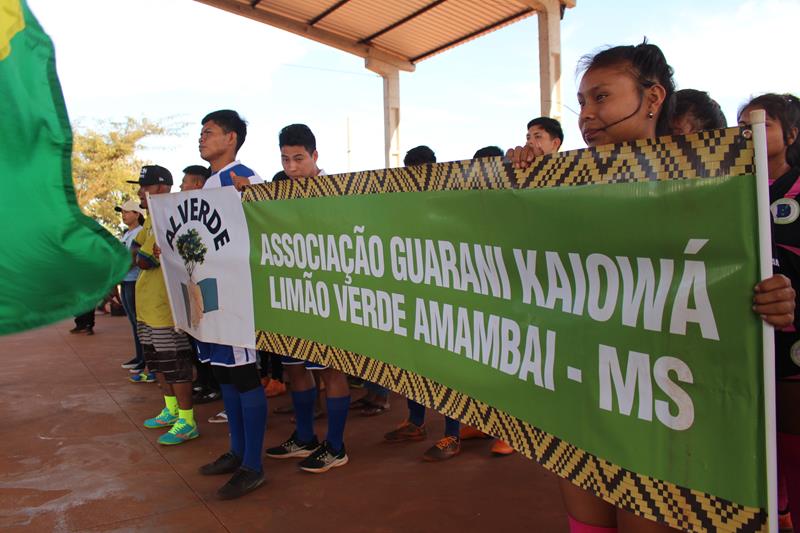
(274, 388)
(499, 447)
(444, 449)
(469, 432)
(406, 432)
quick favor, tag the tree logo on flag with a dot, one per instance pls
(193, 252)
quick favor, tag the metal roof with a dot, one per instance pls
(398, 32)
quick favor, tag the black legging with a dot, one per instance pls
(275, 365)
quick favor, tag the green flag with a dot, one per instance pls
(56, 261)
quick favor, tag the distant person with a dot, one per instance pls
(194, 177)
(205, 388)
(695, 111)
(544, 135)
(413, 428)
(133, 218)
(167, 352)
(488, 151)
(84, 323)
(298, 149)
(419, 155)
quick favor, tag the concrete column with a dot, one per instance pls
(391, 109)
(391, 118)
(550, 58)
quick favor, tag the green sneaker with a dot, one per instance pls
(181, 432)
(163, 420)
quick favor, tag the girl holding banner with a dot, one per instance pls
(783, 161)
(626, 94)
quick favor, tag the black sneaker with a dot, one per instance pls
(293, 448)
(206, 396)
(227, 463)
(133, 363)
(323, 459)
(243, 481)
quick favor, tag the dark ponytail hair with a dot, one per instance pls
(648, 66)
(705, 109)
(784, 108)
(141, 219)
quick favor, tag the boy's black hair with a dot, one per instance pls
(550, 125)
(197, 170)
(298, 135)
(784, 108)
(419, 155)
(488, 151)
(229, 121)
(648, 66)
(702, 107)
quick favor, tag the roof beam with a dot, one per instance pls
(310, 32)
(402, 21)
(327, 12)
(524, 13)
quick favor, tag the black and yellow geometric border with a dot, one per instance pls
(708, 154)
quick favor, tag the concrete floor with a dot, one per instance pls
(74, 457)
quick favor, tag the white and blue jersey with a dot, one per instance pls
(209, 352)
(223, 355)
(224, 176)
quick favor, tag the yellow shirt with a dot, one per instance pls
(152, 303)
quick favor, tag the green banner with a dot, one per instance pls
(616, 317)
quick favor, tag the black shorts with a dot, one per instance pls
(244, 377)
(166, 351)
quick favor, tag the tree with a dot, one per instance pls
(101, 164)
(192, 250)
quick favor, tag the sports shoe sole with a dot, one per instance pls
(179, 442)
(165, 426)
(337, 463)
(291, 455)
(405, 439)
(250, 489)
(429, 459)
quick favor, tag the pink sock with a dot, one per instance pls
(789, 470)
(579, 527)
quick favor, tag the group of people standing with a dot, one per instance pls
(626, 93)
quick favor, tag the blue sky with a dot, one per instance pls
(175, 60)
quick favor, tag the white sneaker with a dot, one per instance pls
(219, 418)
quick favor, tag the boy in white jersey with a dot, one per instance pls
(222, 134)
(299, 159)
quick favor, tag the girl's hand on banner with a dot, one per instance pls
(774, 301)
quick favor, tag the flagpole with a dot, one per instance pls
(757, 120)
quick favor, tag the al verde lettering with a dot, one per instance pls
(198, 210)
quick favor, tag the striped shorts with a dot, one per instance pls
(166, 351)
